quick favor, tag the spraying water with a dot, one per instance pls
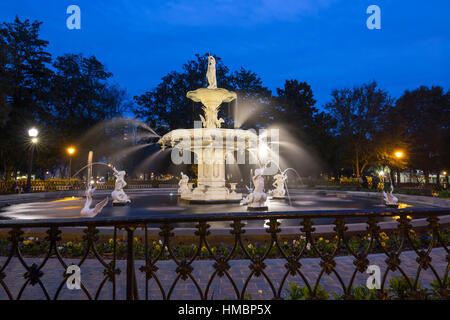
(90, 166)
(89, 177)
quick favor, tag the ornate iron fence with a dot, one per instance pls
(293, 256)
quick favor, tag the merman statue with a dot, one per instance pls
(183, 185)
(279, 183)
(118, 195)
(256, 200)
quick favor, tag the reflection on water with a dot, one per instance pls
(404, 205)
(154, 203)
(73, 198)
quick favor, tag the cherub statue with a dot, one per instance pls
(279, 182)
(87, 210)
(211, 73)
(183, 185)
(118, 195)
(257, 198)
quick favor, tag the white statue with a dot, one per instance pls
(87, 210)
(118, 195)
(389, 199)
(279, 183)
(257, 198)
(211, 73)
(183, 185)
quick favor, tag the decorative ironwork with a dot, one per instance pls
(220, 263)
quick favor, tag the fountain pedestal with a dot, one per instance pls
(211, 180)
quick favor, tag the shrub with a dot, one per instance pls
(297, 292)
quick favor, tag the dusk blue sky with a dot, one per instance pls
(323, 42)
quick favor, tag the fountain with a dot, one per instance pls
(207, 143)
(119, 196)
(89, 174)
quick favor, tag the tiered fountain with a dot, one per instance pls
(210, 143)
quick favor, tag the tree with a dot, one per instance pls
(253, 106)
(294, 108)
(425, 112)
(82, 98)
(23, 88)
(295, 105)
(360, 114)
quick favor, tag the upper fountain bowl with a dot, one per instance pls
(211, 97)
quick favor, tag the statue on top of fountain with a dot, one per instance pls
(211, 97)
(211, 73)
(256, 200)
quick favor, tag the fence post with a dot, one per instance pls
(132, 293)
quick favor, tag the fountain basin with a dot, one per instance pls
(211, 97)
(59, 205)
(211, 146)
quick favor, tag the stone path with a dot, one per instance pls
(92, 275)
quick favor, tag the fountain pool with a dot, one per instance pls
(166, 201)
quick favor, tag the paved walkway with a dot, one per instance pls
(92, 275)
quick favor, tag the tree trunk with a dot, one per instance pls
(8, 172)
(427, 176)
(438, 178)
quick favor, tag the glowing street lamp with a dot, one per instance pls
(32, 133)
(70, 151)
(399, 154)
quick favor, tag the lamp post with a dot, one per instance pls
(70, 151)
(445, 173)
(32, 133)
(398, 155)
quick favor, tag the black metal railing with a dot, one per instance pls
(220, 264)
